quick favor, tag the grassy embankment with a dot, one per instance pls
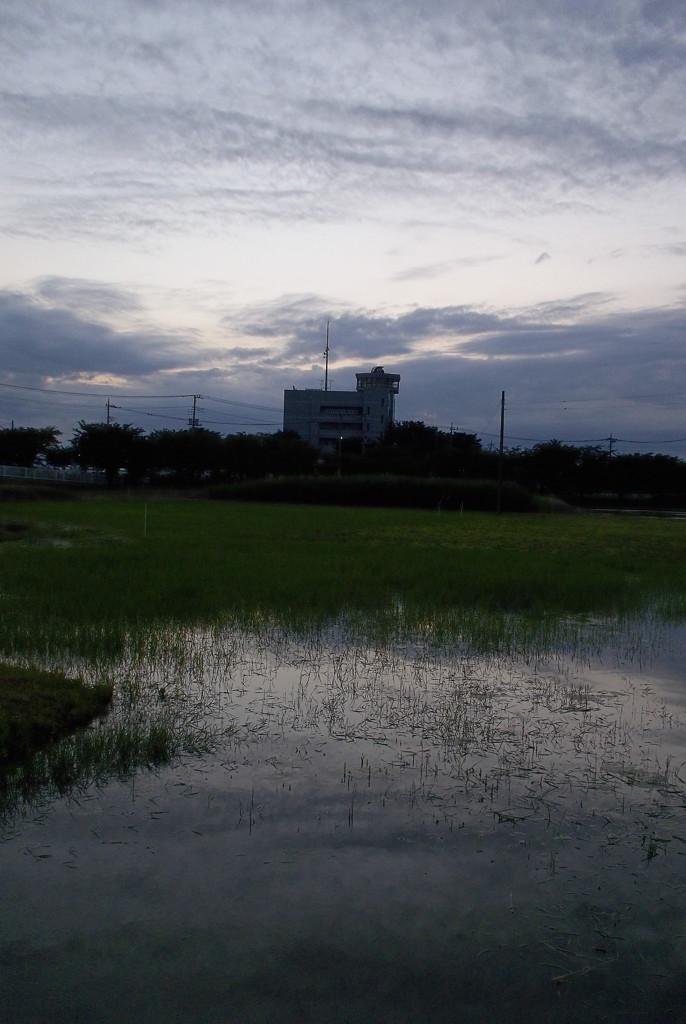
(386, 492)
(79, 580)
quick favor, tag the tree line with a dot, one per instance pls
(186, 457)
(580, 474)
(195, 456)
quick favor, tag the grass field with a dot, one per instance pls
(119, 564)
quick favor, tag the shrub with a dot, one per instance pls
(381, 492)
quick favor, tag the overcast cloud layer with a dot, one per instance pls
(482, 197)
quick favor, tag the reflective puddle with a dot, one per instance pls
(377, 835)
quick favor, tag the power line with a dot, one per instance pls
(245, 405)
(226, 423)
(586, 440)
(243, 423)
(150, 397)
(106, 393)
(538, 440)
(626, 440)
(555, 403)
(156, 415)
(86, 394)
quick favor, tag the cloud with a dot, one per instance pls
(431, 271)
(396, 169)
(44, 341)
(236, 111)
(86, 299)
(572, 370)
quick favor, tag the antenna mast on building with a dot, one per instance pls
(326, 357)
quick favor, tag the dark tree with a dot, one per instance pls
(189, 454)
(549, 466)
(412, 435)
(60, 457)
(585, 474)
(286, 454)
(21, 446)
(594, 468)
(244, 456)
(111, 447)
(645, 476)
(411, 448)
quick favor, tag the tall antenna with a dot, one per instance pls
(326, 357)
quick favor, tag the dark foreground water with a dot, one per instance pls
(392, 837)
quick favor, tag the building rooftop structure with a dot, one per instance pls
(326, 418)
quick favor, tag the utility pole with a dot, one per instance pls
(326, 358)
(499, 505)
(612, 440)
(193, 421)
(340, 443)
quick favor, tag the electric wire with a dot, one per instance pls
(171, 413)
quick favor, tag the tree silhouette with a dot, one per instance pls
(111, 447)
(21, 446)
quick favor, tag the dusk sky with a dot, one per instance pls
(480, 196)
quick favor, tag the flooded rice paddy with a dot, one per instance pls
(385, 833)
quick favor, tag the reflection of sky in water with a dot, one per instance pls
(393, 836)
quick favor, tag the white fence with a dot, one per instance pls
(72, 476)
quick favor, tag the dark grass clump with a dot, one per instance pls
(37, 708)
(13, 490)
(382, 492)
(13, 529)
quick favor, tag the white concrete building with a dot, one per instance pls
(323, 417)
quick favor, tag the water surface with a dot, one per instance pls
(379, 834)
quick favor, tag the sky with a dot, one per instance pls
(483, 197)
